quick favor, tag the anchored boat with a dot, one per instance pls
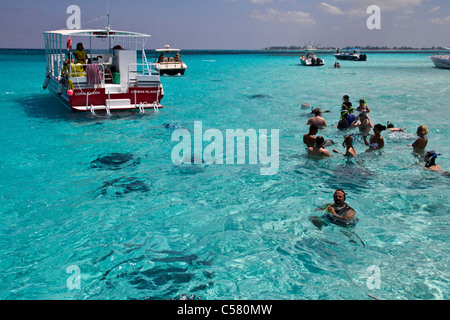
(309, 58)
(441, 61)
(117, 77)
(352, 54)
(168, 61)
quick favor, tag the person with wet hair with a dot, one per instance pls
(338, 212)
(309, 139)
(318, 150)
(348, 145)
(430, 161)
(376, 141)
(317, 119)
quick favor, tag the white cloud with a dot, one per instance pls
(445, 20)
(434, 9)
(357, 8)
(261, 1)
(332, 9)
(276, 15)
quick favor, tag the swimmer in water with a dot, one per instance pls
(363, 123)
(430, 161)
(318, 150)
(348, 145)
(421, 142)
(376, 140)
(391, 128)
(338, 212)
(309, 139)
(317, 119)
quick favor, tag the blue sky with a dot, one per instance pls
(238, 24)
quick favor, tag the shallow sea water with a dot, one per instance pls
(102, 193)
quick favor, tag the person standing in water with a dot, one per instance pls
(309, 139)
(376, 140)
(318, 150)
(348, 144)
(421, 142)
(338, 212)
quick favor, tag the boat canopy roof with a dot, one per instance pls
(97, 33)
(167, 48)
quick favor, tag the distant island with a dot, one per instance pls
(368, 48)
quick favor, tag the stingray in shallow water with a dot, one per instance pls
(258, 96)
(115, 161)
(122, 186)
(351, 176)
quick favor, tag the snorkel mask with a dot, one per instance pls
(431, 157)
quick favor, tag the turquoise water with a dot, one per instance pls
(102, 193)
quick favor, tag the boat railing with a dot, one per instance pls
(142, 72)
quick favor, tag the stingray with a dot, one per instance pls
(115, 161)
(122, 186)
(258, 96)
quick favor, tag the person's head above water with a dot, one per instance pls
(313, 129)
(319, 142)
(348, 140)
(422, 130)
(339, 197)
(430, 158)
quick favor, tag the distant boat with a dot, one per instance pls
(309, 58)
(352, 54)
(441, 61)
(169, 61)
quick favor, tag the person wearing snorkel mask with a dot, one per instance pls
(363, 123)
(430, 161)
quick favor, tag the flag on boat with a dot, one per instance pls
(69, 43)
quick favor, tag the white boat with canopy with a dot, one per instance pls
(115, 76)
(168, 61)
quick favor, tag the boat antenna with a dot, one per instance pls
(108, 24)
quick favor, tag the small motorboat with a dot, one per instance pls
(310, 59)
(351, 54)
(441, 61)
(168, 61)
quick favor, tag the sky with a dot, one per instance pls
(238, 24)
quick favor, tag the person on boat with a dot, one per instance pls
(363, 123)
(309, 139)
(177, 57)
(80, 54)
(346, 104)
(421, 142)
(376, 140)
(348, 145)
(317, 119)
(430, 161)
(338, 212)
(363, 107)
(318, 149)
(161, 58)
(392, 128)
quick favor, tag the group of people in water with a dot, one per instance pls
(339, 212)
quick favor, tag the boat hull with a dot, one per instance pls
(441, 62)
(94, 99)
(172, 72)
(310, 64)
(350, 57)
(171, 69)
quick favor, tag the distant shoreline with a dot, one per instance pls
(268, 50)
